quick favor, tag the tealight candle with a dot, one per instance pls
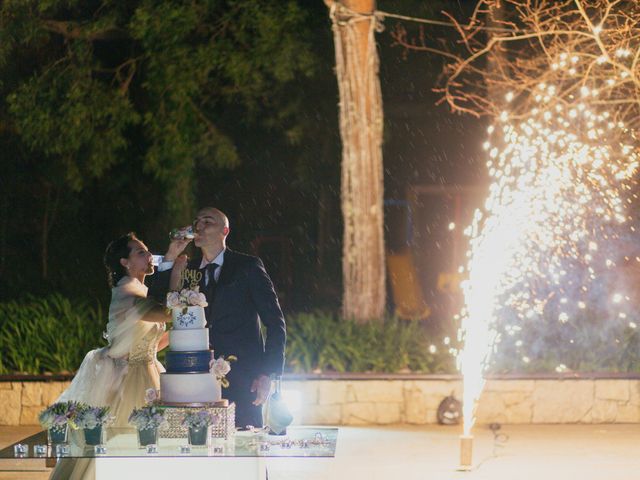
(62, 450)
(21, 449)
(152, 448)
(40, 450)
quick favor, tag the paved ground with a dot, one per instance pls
(9, 435)
(548, 452)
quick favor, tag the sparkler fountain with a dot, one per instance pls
(558, 185)
(562, 81)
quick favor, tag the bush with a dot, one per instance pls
(323, 342)
(53, 334)
(47, 335)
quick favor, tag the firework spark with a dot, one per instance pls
(558, 186)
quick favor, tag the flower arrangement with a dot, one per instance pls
(200, 419)
(220, 367)
(147, 417)
(187, 297)
(59, 415)
(90, 417)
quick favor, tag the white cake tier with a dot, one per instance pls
(189, 340)
(188, 318)
(189, 388)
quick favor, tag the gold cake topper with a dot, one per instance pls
(191, 277)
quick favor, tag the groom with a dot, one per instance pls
(240, 296)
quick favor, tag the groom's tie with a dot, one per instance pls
(210, 287)
(211, 273)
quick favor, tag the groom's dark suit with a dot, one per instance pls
(243, 294)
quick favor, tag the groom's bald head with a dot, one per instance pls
(215, 213)
(211, 228)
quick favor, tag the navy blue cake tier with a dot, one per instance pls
(188, 362)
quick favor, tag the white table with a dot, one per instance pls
(125, 460)
(247, 456)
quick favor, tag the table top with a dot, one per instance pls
(298, 442)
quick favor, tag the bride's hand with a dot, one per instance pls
(179, 266)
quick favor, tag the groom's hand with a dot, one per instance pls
(262, 387)
(176, 247)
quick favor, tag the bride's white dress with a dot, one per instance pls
(117, 375)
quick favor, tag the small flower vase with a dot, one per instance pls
(147, 436)
(93, 436)
(199, 436)
(58, 434)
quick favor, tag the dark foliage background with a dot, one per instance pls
(234, 104)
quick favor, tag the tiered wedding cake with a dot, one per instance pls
(193, 380)
(188, 378)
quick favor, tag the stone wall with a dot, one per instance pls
(380, 402)
(21, 402)
(412, 401)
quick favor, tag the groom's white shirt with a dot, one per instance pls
(219, 260)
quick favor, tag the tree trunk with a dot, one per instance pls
(363, 260)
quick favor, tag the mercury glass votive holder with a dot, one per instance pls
(218, 450)
(21, 450)
(100, 450)
(185, 449)
(40, 450)
(62, 450)
(152, 449)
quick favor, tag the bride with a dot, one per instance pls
(119, 374)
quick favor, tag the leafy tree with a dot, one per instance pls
(86, 85)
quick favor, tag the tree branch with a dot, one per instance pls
(589, 51)
(75, 30)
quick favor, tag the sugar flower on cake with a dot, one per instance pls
(220, 367)
(151, 395)
(173, 299)
(187, 297)
(194, 297)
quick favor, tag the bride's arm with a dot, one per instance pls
(158, 313)
(175, 281)
(164, 341)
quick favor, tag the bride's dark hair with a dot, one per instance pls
(116, 250)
